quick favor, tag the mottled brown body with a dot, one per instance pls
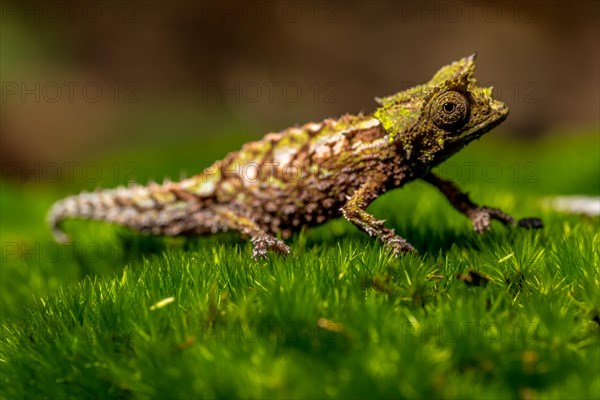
(312, 173)
(301, 176)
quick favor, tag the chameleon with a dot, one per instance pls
(308, 174)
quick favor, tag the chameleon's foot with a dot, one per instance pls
(482, 216)
(264, 243)
(531, 223)
(398, 245)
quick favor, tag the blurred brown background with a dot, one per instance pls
(85, 78)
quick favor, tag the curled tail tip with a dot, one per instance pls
(60, 236)
(54, 219)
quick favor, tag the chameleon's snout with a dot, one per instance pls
(500, 108)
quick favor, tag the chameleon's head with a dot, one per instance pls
(432, 121)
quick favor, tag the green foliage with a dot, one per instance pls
(126, 316)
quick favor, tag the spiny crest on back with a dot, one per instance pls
(464, 66)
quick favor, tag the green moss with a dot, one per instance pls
(337, 318)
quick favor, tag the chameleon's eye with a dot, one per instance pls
(449, 107)
(449, 110)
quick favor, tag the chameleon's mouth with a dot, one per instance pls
(499, 108)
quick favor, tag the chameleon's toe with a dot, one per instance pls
(262, 244)
(281, 248)
(482, 216)
(501, 216)
(398, 245)
(531, 223)
(481, 220)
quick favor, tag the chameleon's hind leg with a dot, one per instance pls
(479, 216)
(261, 241)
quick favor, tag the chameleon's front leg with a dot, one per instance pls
(261, 241)
(354, 211)
(479, 216)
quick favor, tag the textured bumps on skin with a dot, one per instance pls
(308, 174)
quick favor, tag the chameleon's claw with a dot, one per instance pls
(264, 243)
(481, 221)
(482, 216)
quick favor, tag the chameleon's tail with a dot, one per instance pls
(156, 209)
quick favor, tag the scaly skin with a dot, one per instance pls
(309, 174)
